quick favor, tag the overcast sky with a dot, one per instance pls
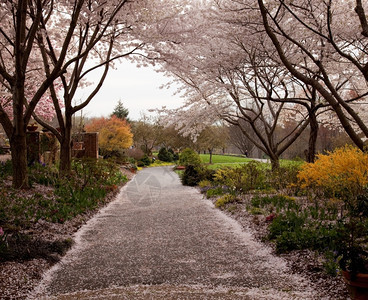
(138, 89)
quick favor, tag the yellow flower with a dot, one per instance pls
(342, 173)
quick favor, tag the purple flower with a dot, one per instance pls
(1, 231)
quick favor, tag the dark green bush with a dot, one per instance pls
(43, 174)
(144, 162)
(165, 155)
(3, 242)
(195, 174)
(174, 155)
(297, 230)
(191, 176)
(289, 222)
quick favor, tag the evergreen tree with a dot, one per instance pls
(120, 111)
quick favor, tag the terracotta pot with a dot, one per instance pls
(358, 288)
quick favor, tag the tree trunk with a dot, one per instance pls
(66, 148)
(18, 147)
(18, 139)
(65, 157)
(210, 151)
(313, 134)
(275, 162)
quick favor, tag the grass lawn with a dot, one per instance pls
(220, 161)
(223, 159)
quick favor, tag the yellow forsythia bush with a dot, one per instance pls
(341, 174)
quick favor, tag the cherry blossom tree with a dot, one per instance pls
(265, 116)
(44, 109)
(329, 39)
(108, 33)
(227, 72)
(20, 67)
(42, 41)
(103, 37)
(321, 66)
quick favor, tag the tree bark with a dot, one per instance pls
(313, 134)
(210, 151)
(66, 147)
(65, 158)
(18, 146)
(275, 162)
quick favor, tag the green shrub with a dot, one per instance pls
(3, 242)
(205, 183)
(193, 175)
(217, 191)
(43, 174)
(189, 157)
(284, 177)
(331, 264)
(144, 162)
(174, 155)
(297, 230)
(288, 222)
(222, 201)
(94, 172)
(255, 175)
(247, 177)
(165, 155)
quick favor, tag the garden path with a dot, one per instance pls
(162, 240)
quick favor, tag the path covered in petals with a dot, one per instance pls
(161, 240)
